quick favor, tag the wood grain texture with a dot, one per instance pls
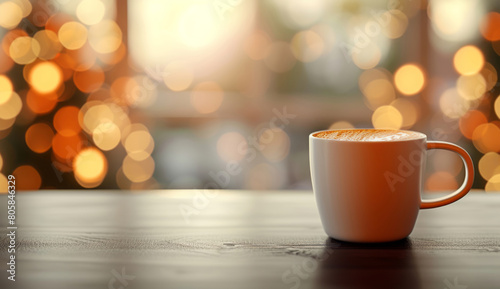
(237, 239)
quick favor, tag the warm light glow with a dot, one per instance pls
(471, 87)
(398, 22)
(197, 26)
(90, 167)
(378, 92)
(45, 77)
(90, 12)
(39, 137)
(367, 57)
(139, 143)
(27, 178)
(497, 106)
(49, 44)
(493, 185)
(66, 147)
(178, 76)
(408, 110)
(468, 60)
(489, 165)
(66, 121)
(387, 117)
(341, 125)
(409, 79)
(10, 14)
(11, 108)
(6, 89)
(470, 121)
(89, 80)
(138, 171)
(490, 75)
(105, 37)
(256, 45)
(207, 97)
(275, 144)
(452, 104)
(24, 49)
(106, 136)
(279, 57)
(307, 46)
(40, 103)
(232, 146)
(72, 35)
(3, 183)
(490, 27)
(486, 138)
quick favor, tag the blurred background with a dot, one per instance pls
(146, 94)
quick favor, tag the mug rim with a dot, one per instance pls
(422, 135)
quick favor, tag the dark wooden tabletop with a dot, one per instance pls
(236, 239)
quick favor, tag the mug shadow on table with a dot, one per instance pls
(355, 265)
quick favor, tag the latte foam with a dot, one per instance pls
(368, 135)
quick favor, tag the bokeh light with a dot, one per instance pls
(40, 103)
(397, 24)
(409, 79)
(470, 121)
(89, 80)
(493, 185)
(49, 44)
(73, 35)
(45, 77)
(368, 57)
(90, 12)
(105, 37)
(256, 45)
(10, 14)
(490, 26)
(489, 165)
(90, 167)
(38, 137)
(138, 142)
(232, 146)
(207, 97)
(497, 106)
(178, 76)
(387, 117)
(66, 147)
(138, 170)
(106, 136)
(66, 121)
(11, 107)
(452, 104)
(468, 60)
(341, 125)
(471, 87)
(27, 178)
(6, 89)
(24, 50)
(274, 144)
(307, 46)
(408, 110)
(279, 57)
(486, 138)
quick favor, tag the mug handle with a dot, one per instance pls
(469, 176)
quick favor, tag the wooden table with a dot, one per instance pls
(236, 239)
